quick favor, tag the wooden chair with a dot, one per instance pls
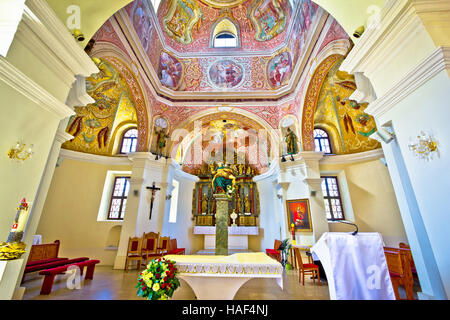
(413, 265)
(150, 246)
(400, 271)
(173, 248)
(303, 269)
(163, 246)
(134, 251)
(274, 253)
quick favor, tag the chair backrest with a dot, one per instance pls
(173, 244)
(164, 243)
(299, 258)
(134, 245)
(277, 244)
(398, 262)
(404, 245)
(150, 242)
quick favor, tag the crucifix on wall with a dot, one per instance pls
(154, 189)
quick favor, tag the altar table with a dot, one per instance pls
(220, 277)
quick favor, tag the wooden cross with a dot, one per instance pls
(154, 189)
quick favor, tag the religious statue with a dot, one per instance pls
(161, 137)
(249, 171)
(247, 204)
(204, 204)
(291, 141)
(238, 203)
(223, 179)
(241, 169)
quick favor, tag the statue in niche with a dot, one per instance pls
(241, 169)
(204, 203)
(247, 204)
(291, 142)
(238, 203)
(161, 138)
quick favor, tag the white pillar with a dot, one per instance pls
(145, 171)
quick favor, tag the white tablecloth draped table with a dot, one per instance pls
(220, 277)
(355, 266)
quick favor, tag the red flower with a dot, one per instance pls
(144, 288)
(157, 276)
(165, 278)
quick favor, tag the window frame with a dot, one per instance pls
(122, 198)
(328, 198)
(226, 33)
(323, 138)
(131, 138)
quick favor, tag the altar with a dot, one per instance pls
(237, 236)
(220, 277)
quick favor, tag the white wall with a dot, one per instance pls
(71, 210)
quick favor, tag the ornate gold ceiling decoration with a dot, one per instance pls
(223, 3)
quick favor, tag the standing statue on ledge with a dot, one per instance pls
(223, 180)
(291, 142)
(247, 204)
(161, 137)
(204, 204)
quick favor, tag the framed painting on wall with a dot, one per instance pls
(299, 214)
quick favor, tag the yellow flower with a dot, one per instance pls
(155, 287)
(163, 297)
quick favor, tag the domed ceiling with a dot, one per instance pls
(178, 42)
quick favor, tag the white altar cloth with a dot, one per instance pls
(220, 277)
(355, 266)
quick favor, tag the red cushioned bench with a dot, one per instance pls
(33, 267)
(50, 274)
(36, 262)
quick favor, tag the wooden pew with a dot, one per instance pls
(400, 271)
(50, 274)
(44, 251)
(409, 254)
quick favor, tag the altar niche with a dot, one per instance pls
(245, 200)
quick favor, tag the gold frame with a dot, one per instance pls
(309, 214)
(196, 20)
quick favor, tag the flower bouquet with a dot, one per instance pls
(158, 281)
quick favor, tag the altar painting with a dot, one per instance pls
(279, 69)
(226, 74)
(299, 214)
(268, 18)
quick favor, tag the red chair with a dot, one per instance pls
(274, 253)
(173, 248)
(134, 252)
(306, 268)
(163, 246)
(150, 246)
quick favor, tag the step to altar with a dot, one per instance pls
(212, 252)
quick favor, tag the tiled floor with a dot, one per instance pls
(109, 284)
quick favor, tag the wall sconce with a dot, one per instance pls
(425, 146)
(359, 32)
(78, 35)
(19, 153)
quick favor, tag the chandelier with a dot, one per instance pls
(425, 147)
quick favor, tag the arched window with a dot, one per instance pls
(129, 141)
(225, 40)
(322, 141)
(225, 34)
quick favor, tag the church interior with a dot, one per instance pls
(305, 137)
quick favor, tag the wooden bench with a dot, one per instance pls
(400, 271)
(37, 262)
(54, 264)
(409, 254)
(50, 274)
(44, 251)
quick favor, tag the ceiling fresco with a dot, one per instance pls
(209, 72)
(345, 121)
